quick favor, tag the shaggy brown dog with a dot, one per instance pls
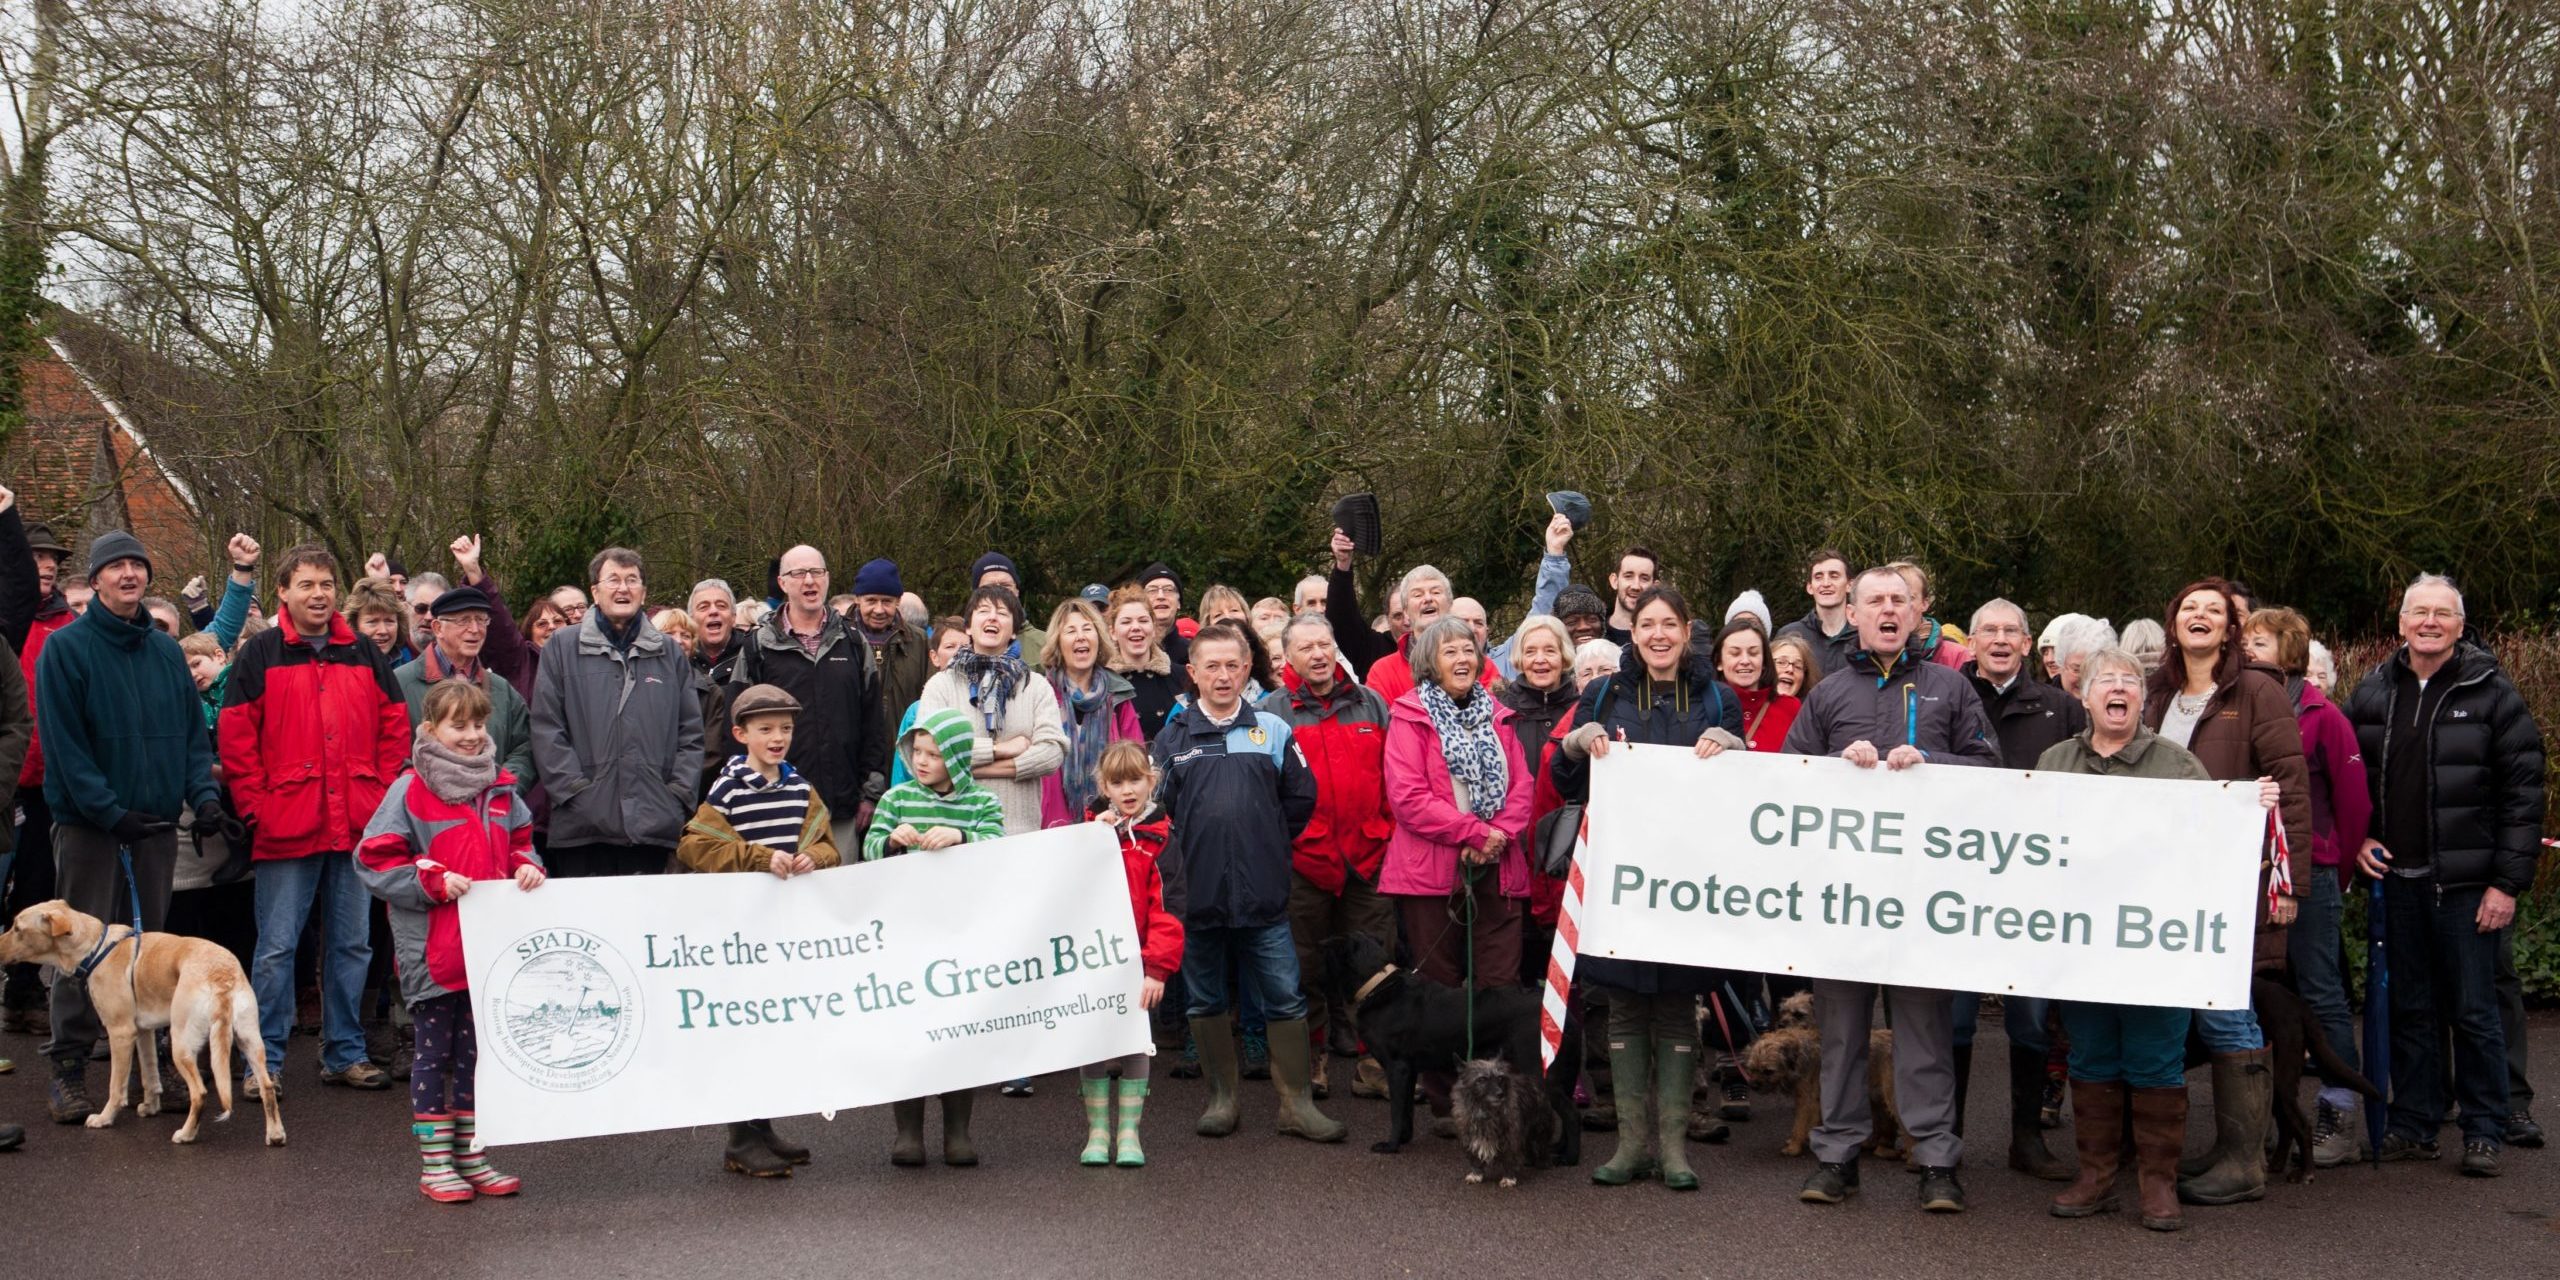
(1788, 1058)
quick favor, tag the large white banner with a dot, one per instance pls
(2126, 890)
(653, 1002)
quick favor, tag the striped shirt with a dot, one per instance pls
(765, 813)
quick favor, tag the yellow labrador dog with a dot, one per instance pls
(189, 985)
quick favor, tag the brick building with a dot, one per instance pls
(83, 464)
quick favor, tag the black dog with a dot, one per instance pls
(1413, 1025)
(2291, 1031)
(1504, 1121)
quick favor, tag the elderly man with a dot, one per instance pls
(125, 751)
(457, 642)
(313, 731)
(1892, 708)
(421, 592)
(1308, 596)
(2029, 717)
(1341, 728)
(2455, 764)
(840, 742)
(1425, 596)
(572, 602)
(1826, 626)
(898, 648)
(617, 732)
(714, 610)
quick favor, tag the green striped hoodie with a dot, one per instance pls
(968, 808)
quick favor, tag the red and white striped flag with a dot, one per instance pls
(1555, 1004)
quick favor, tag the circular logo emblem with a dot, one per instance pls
(568, 1010)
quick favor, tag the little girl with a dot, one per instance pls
(1127, 781)
(452, 820)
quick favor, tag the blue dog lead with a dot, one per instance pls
(133, 895)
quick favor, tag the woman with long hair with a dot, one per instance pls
(1096, 707)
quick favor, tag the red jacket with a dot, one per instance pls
(1159, 930)
(55, 617)
(311, 738)
(1344, 738)
(413, 841)
(1392, 675)
(1766, 717)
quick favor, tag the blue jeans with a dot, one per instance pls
(2144, 1046)
(1266, 959)
(2022, 1017)
(2228, 1031)
(2444, 972)
(2317, 953)
(289, 891)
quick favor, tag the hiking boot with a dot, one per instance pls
(1830, 1183)
(2402, 1147)
(12, 1137)
(779, 1145)
(249, 1088)
(2097, 1124)
(1186, 1066)
(2159, 1129)
(26, 1022)
(1736, 1090)
(1706, 1125)
(2027, 1151)
(67, 1100)
(2243, 1093)
(2521, 1130)
(1291, 1055)
(1631, 1079)
(2334, 1140)
(1257, 1055)
(2479, 1158)
(959, 1150)
(1939, 1190)
(1216, 1038)
(359, 1074)
(1368, 1080)
(749, 1155)
(907, 1150)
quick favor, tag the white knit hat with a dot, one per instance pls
(1750, 602)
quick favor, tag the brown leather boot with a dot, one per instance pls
(2097, 1124)
(2159, 1128)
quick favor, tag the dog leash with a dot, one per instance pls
(133, 895)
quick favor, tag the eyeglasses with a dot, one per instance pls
(2433, 615)
(804, 575)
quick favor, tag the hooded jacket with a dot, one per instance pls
(313, 733)
(2341, 803)
(1160, 935)
(1431, 831)
(617, 736)
(840, 745)
(1344, 738)
(413, 839)
(967, 807)
(114, 699)
(2484, 767)
(1238, 795)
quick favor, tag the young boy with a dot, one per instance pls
(939, 807)
(761, 815)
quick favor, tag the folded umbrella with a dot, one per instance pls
(2377, 1019)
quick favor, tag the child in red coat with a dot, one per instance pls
(1127, 781)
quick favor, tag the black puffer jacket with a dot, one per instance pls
(2484, 773)
(2030, 717)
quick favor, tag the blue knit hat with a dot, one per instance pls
(991, 561)
(878, 578)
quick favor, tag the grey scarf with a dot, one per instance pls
(455, 778)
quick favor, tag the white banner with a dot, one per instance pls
(2126, 890)
(655, 1002)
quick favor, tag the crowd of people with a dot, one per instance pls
(311, 771)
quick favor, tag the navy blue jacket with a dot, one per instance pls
(123, 727)
(1238, 796)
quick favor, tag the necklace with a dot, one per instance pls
(2192, 705)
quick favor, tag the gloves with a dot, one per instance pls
(134, 828)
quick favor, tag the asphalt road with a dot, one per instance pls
(341, 1201)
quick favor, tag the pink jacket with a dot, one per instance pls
(1422, 855)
